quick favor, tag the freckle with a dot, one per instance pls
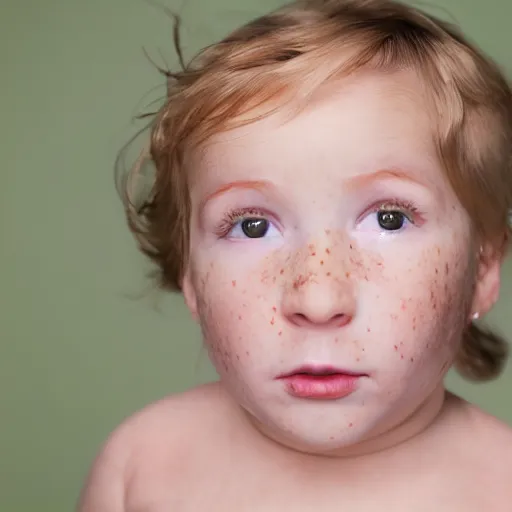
(238, 357)
(438, 251)
(321, 262)
(446, 269)
(247, 353)
(363, 350)
(328, 251)
(280, 333)
(368, 329)
(327, 231)
(401, 356)
(351, 246)
(328, 274)
(412, 359)
(428, 345)
(239, 317)
(437, 270)
(281, 271)
(331, 438)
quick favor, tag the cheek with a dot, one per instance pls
(219, 332)
(431, 302)
(448, 278)
(232, 303)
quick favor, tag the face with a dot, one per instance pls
(331, 243)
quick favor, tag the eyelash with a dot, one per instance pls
(235, 216)
(407, 208)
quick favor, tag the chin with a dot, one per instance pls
(319, 430)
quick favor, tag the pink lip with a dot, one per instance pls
(320, 382)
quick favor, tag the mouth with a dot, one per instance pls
(320, 382)
(320, 371)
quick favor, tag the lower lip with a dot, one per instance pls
(321, 387)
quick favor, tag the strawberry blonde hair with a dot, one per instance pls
(289, 54)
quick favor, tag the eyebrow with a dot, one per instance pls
(353, 184)
(240, 184)
(364, 180)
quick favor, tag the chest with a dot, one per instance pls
(248, 492)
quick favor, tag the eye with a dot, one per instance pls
(255, 228)
(246, 224)
(252, 227)
(391, 216)
(391, 220)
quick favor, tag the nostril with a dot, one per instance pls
(300, 319)
(340, 320)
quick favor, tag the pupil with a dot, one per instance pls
(255, 228)
(391, 220)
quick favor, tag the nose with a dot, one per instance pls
(319, 301)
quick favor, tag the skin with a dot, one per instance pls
(327, 284)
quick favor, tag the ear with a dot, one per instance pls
(488, 279)
(189, 294)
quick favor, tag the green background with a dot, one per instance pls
(81, 344)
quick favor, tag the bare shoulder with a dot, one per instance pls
(493, 439)
(157, 440)
(471, 458)
(485, 446)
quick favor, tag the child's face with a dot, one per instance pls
(331, 239)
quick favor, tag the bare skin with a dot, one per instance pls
(197, 451)
(331, 281)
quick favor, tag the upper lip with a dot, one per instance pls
(319, 370)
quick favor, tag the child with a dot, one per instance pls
(331, 197)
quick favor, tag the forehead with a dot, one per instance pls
(354, 124)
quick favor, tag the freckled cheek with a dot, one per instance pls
(230, 308)
(419, 333)
(222, 336)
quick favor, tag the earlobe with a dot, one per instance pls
(189, 294)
